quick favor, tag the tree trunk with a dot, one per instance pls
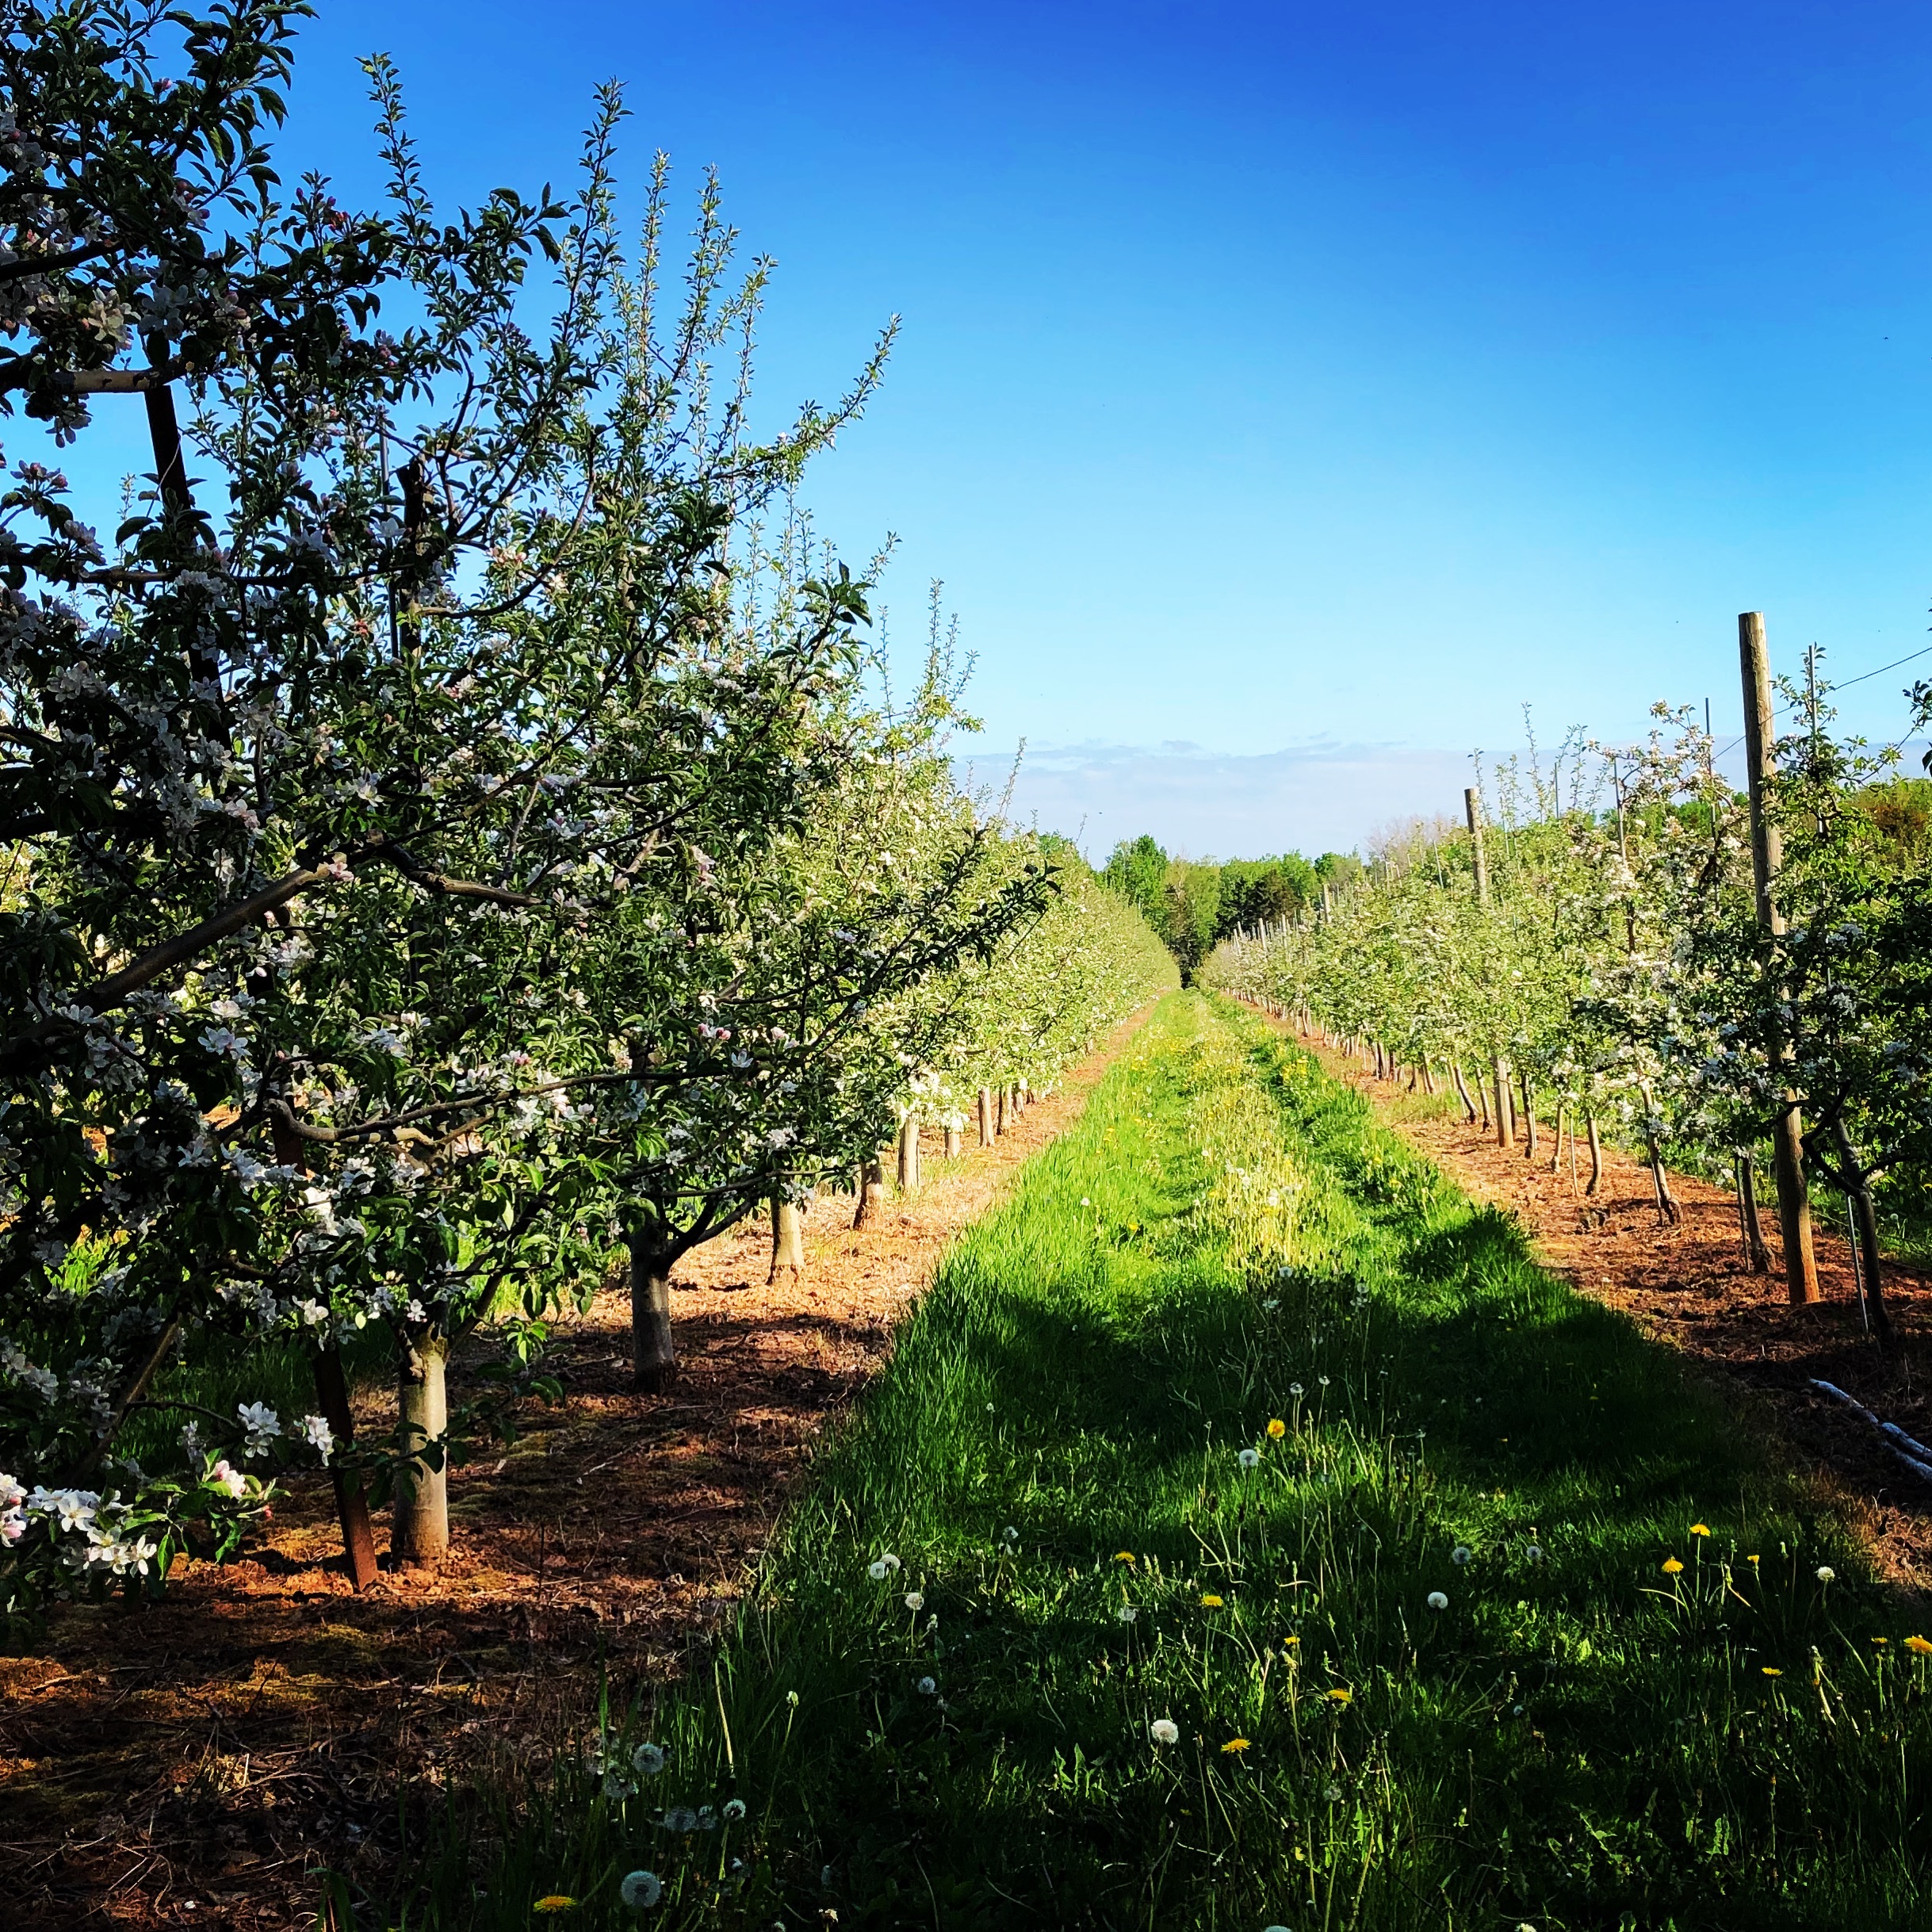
(1482, 1095)
(1530, 1120)
(952, 1140)
(419, 1531)
(985, 1117)
(871, 1193)
(909, 1154)
(1596, 1159)
(1462, 1091)
(1660, 1182)
(1794, 1209)
(351, 1503)
(1866, 1214)
(1428, 1078)
(1556, 1153)
(1505, 1105)
(653, 1355)
(1758, 1257)
(999, 1125)
(787, 1241)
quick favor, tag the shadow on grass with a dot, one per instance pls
(1039, 1535)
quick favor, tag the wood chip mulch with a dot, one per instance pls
(187, 1762)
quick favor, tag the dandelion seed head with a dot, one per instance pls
(734, 1810)
(1461, 1555)
(1164, 1730)
(1250, 1458)
(927, 1687)
(1826, 1574)
(1437, 1601)
(640, 1890)
(915, 1601)
(648, 1760)
(1126, 1614)
(1333, 1793)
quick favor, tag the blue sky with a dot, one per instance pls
(1288, 394)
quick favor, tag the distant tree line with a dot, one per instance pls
(1193, 904)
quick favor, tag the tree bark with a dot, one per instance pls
(999, 1125)
(1505, 1105)
(1530, 1120)
(787, 1241)
(1758, 1257)
(1556, 1153)
(1660, 1182)
(351, 1503)
(986, 1116)
(1794, 1209)
(1596, 1158)
(952, 1140)
(1866, 1215)
(653, 1352)
(420, 1533)
(871, 1193)
(1461, 1090)
(909, 1154)
(1482, 1095)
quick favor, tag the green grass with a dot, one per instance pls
(1579, 1739)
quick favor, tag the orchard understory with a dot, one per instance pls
(1245, 1530)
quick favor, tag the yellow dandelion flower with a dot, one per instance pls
(1700, 1529)
(1234, 1747)
(1752, 1559)
(1671, 1565)
(554, 1901)
(1123, 1556)
(1770, 1671)
(1277, 1428)
(1338, 1694)
(1918, 1646)
(1288, 1644)
(1210, 1600)
(1881, 1639)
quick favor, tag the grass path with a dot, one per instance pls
(1185, 1442)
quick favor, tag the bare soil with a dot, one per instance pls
(1688, 1285)
(187, 1762)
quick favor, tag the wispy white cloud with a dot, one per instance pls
(1313, 797)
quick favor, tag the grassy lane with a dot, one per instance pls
(1185, 1442)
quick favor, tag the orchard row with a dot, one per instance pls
(459, 824)
(1626, 940)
